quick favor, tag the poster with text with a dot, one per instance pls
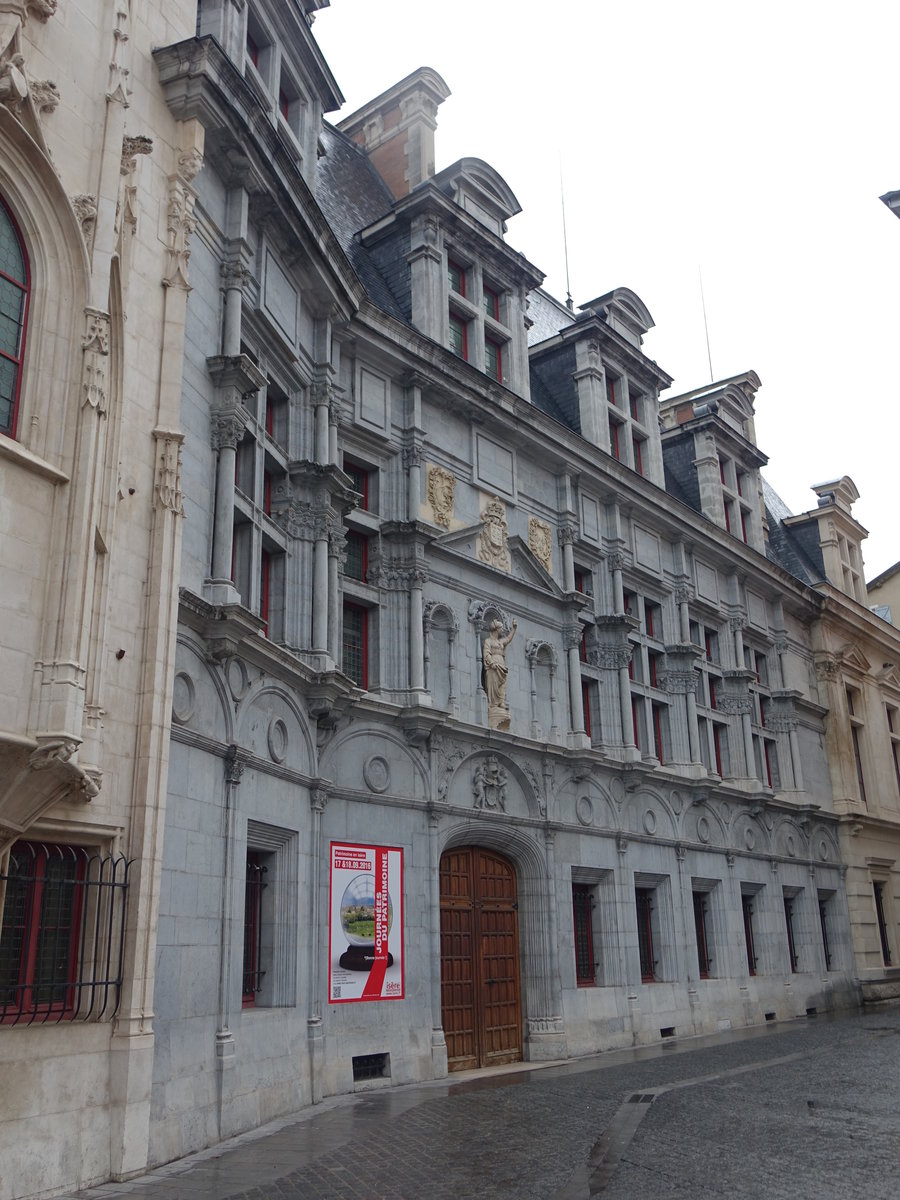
(365, 933)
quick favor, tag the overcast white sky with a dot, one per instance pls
(751, 141)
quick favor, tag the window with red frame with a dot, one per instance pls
(586, 706)
(612, 391)
(356, 560)
(493, 359)
(459, 337)
(15, 286)
(636, 404)
(456, 277)
(360, 479)
(39, 937)
(582, 904)
(491, 302)
(637, 450)
(252, 49)
(253, 892)
(614, 440)
(354, 644)
(652, 619)
(660, 716)
(284, 103)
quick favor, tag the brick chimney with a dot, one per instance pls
(396, 129)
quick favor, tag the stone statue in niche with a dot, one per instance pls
(489, 784)
(493, 543)
(540, 543)
(495, 672)
(441, 487)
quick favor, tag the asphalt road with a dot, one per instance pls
(806, 1110)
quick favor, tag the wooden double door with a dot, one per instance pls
(480, 1005)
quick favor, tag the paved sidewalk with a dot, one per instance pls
(808, 1110)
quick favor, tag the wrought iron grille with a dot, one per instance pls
(62, 933)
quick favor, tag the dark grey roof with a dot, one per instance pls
(547, 316)
(796, 549)
(352, 195)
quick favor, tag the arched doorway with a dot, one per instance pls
(480, 1007)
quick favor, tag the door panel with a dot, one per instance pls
(479, 959)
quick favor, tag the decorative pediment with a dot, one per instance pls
(889, 677)
(852, 657)
(523, 565)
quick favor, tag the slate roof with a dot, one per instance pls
(352, 195)
(795, 549)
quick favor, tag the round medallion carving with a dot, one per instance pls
(703, 830)
(183, 698)
(650, 822)
(791, 845)
(749, 838)
(377, 773)
(277, 738)
(236, 678)
(584, 810)
(823, 850)
(724, 812)
(677, 803)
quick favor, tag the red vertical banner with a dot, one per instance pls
(365, 937)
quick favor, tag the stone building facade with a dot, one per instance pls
(616, 818)
(357, 554)
(95, 198)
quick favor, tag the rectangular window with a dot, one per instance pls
(586, 705)
(612, 391)
(252, 49)
(747, 910)
(459, 337)
(636, 402)
(857, 755)
(61, 934)
(491, 301)
(582, 906)
(265, 587)
(643, 899)
(660, 714)
(654, 662)
(719, 739)
(360, 480)
(652, 619)
(356, 560)
(878, 889)
(456, 277)
(789, 929)
(355, 651)
(637, 451)
(614, 440)
(253, 890)
(493, 359)
(701, 929)
(283, 103)
(711, 644)
(824, 926)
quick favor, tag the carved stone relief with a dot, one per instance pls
(493, 542)
(489, 784)
(540, 543)
(441, 490)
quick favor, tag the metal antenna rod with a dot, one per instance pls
(562, 200)
(712, 377)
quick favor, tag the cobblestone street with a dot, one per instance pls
(807, 1109)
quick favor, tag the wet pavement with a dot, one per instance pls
(807, 1109)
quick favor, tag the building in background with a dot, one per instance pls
(459, 597)
(95, 200)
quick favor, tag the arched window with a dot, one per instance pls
(14, 287)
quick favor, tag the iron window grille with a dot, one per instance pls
(701, 914)
(643, 898)
(789, 926)
(878, 889)
(62, 934)
(823, 925)
(253, 973)
(747, 909)
(582, 905)
(354, 648)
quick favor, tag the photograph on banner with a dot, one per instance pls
(365, 934)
